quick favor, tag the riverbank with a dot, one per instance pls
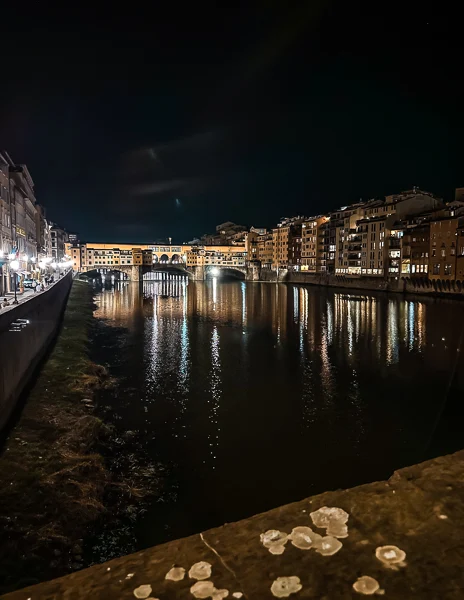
(403, 538)
(421, 286)
(53, 481)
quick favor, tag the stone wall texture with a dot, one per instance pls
(405, 534)
(22, 347)
(424, 286)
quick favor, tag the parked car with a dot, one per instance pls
(29, 283)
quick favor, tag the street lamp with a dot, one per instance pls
(14, 266)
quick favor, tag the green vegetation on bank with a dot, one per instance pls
(52, 477)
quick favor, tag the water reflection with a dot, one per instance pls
(234, 384)
(215, 393)
(345, 320)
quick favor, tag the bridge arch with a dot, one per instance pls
(157, 269)
(175, 259)
(122, 273)
(225, 271)
(164, 259)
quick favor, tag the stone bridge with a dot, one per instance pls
(196, 273)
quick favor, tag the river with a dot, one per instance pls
(251, 395)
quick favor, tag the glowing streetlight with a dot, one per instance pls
(14, 266)
(214, 271)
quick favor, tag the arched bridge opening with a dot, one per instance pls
(225, 272)
(114, 274)
(153, 271)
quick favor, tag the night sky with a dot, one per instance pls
(142, 123)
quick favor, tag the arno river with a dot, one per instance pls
(250, 395)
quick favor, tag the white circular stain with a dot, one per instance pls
(327, 514)
(366, 585)
(273, 537)
(390, 555)
(328, 545)
(175, 574)
(202, 589)
(143, 591)
(277, 549)
(200, 570)
(285, 586)
(304, 538)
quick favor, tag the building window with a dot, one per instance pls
(447, 269)
(434, 252)
(436, 269)
(443, 252)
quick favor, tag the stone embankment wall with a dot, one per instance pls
(366, 283)
(23, 346)
(411, 286)
(272, 276)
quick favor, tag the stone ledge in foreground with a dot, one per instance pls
(420, 509)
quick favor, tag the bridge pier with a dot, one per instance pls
(198, 273)
(253, 273)
(136, 273)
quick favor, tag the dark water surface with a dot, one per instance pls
(251, 395)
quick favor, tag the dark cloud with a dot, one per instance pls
(247, 113)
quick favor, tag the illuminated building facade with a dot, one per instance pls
(312, 243)
(443, 248)
(287, 244)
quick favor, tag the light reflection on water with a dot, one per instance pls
(258, 394)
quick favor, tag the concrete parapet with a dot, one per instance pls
(403, 538)
(25, 333)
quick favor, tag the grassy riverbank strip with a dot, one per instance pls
(52, 478)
